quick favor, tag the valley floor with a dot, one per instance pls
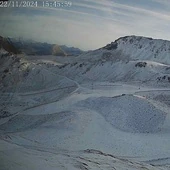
(84, 130)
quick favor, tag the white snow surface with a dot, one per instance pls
(128, 113)
(106, 109)
(137, 47)
(96, 118)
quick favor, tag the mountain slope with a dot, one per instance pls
(57, 51)
(6, 44)
(30, 47)
(23, 84)
(71, 50)
(142, 48)
(124, 60)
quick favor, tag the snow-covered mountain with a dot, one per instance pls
(142, 48)
(128, 59)
(20, 78)
(105, 109)
(71, 50)
(6, 44)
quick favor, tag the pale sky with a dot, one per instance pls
(88, 24)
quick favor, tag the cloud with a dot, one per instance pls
(87, 24)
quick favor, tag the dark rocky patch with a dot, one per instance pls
(141, 64)
(112, 46)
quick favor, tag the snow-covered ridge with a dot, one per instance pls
(128, 59)
(141, 71)
(24, 83)
(137, 47)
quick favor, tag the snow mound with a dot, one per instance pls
(128, 113)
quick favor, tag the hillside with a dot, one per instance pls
(20, 78)
(71, 50)
(57, 51)
(124, 61)
(105, 109)
(6, 44)
(142, 48)
(30, 47)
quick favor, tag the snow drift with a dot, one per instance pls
(128, 113)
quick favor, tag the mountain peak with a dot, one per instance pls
(132, 39)
(138, 47)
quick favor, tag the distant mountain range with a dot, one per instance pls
(30, 47)
(71, 50)
(7, 45)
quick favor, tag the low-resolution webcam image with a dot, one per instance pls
(85, 85)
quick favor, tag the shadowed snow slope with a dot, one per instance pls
(128, 113)
(19, 75)
(28, 122)
(25, 84)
